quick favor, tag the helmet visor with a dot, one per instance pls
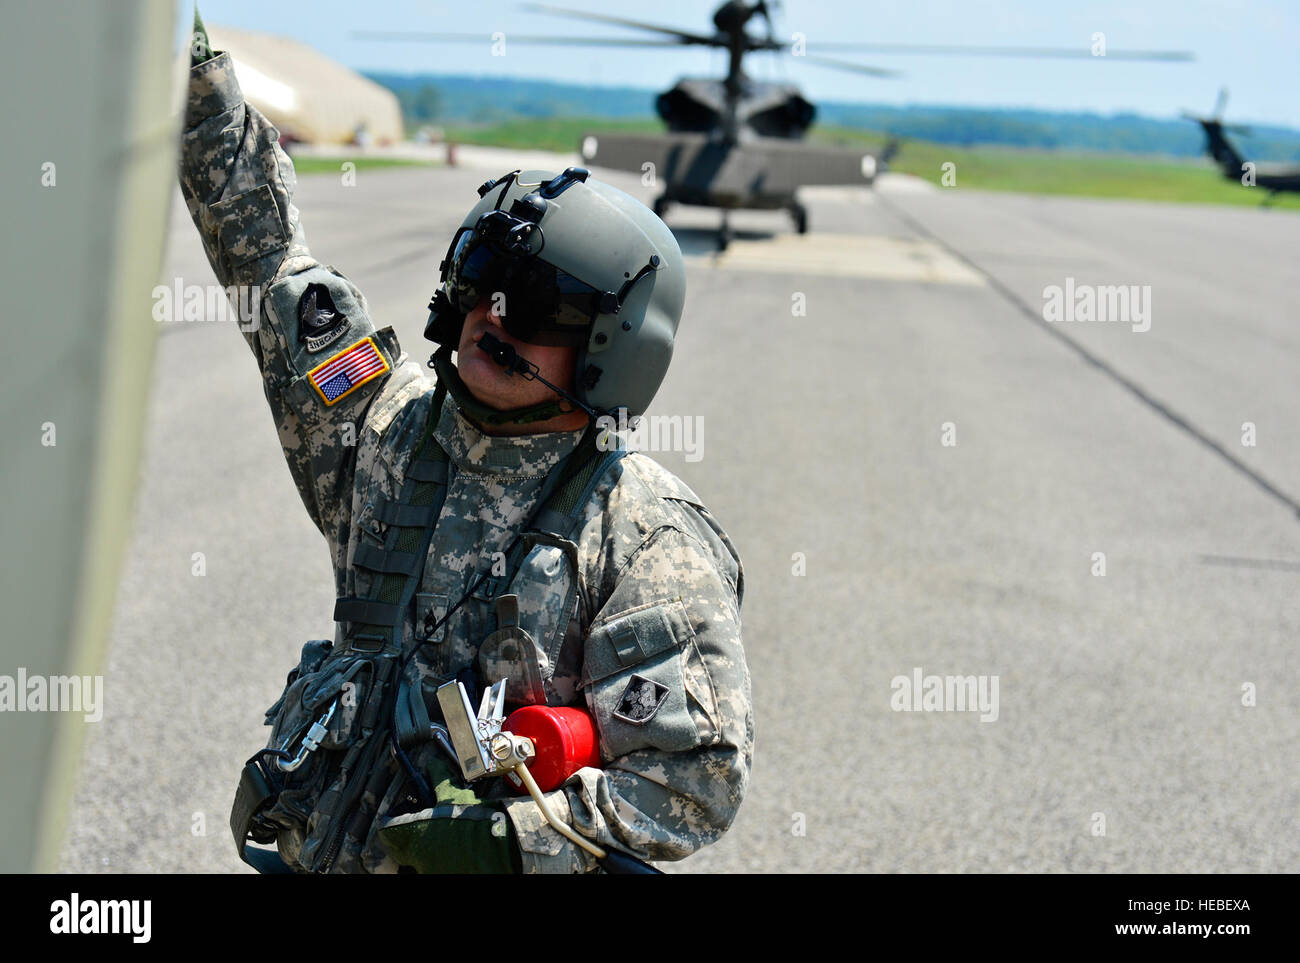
(538, 302)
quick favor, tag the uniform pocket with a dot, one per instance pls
(636, 687)
(313, 654)
(316, 315)
(545, 586)
(343, 681)
(512, 654)
(332, 358)
(249, 226)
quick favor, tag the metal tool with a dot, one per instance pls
(310, 741)
(483, 748)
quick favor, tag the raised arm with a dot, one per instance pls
(323, 362)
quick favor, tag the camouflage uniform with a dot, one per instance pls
(648, 553)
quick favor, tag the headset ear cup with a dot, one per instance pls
(445, 322)
(444, 327)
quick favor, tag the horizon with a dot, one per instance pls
(909, 105)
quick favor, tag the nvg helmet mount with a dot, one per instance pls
(568, 261)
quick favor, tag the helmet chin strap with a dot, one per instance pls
(509, 358)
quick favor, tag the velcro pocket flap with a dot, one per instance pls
(632, 637)
(634, 682)
(250, 226)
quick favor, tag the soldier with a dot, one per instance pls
(480, 526)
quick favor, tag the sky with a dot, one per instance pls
(1253, 48)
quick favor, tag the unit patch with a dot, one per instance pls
(641, 700)
(320, 323)
(347, 371)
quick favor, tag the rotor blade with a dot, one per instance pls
(683, 35)
(410, 36)
(1241, 129)
(1220, 103)
(975, 51)
(849, 65)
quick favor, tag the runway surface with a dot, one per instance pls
(1120, 695)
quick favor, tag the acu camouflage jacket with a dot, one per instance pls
(653, 588)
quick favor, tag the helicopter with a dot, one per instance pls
(1273, 178)
(734, 142)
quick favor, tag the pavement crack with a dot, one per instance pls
(1107, 369)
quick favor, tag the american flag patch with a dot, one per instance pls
(347, 371)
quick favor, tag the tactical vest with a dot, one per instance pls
(348, 716)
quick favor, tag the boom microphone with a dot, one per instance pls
(515, 363)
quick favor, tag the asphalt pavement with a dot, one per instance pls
(920, 471)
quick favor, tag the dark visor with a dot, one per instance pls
(542, 304)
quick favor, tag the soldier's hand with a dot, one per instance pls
(461, 833)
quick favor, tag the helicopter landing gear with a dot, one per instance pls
(800, 215)
(724, 233)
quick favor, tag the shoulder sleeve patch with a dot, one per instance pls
(337, 377)
(641, 700)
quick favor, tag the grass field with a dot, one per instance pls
(986, 168)
(548, 133)
(334, 165)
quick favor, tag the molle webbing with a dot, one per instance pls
(377, 620)
(563, 510)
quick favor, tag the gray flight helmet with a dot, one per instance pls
(610, 240)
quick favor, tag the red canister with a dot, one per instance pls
(565, 739)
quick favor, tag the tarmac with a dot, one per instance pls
(923, 474)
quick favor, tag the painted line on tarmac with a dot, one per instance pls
(1155, 404)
